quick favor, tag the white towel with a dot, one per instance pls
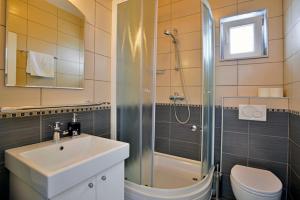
(40, 64)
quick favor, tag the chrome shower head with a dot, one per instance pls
(170, 34)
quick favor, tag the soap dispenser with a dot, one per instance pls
(74, 126)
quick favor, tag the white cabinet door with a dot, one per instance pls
(83, 191)
(110, 183)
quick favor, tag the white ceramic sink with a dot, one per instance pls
(51, 168)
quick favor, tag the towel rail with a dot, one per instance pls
(27, 52)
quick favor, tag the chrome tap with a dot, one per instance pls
(57, 132)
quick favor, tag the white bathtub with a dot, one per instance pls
(174, 179)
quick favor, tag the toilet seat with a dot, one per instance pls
(257, 182)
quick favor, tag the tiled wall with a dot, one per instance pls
(243, 77)
(292, 89)
(43, 27)
(15, 132)
(97, 62)
(178, 139)
(185, 16)
(256, 144)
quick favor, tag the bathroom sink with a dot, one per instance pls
(51, 168)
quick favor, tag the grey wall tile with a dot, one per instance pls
(182, 114)
(294, 151)
(16, 132)
(162, 129)
(183, 132)
(162, 145)
(185, 149)
(279, 169)
(294, 126)
(276, 125)
(269, 148)
(86, 122)
(232, 122)
(102, 122)
(218, 138)
(218, 117)
(230, 160)
(235, 144)
(294, 185)
(163, 113)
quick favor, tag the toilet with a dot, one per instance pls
(254, 184)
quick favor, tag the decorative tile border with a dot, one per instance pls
(171, 104)
(294, 112)
(53, 110)
(268, 109)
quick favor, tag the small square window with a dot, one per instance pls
(244, 36)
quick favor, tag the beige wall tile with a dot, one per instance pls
(103, 18)
(274, 7)
(185, 7)
(102, 91)
(17, 7)
(189, 41)
(102, 68)
(271, 103)
(224, 12)
(68, 54)
(225, 91)
(68, 80)
(192, 58)
(163, 45)
(42, 32)
(164, 13)
(227, 75)
(2, 47)
(87, 7)
(164, 61)
(21, 76)
(89, 65)
(163, 78)
(187, 24)
(65, 97)
(252, 91)
(44, 5)
(276, 28)
(191, 77)
(41, 46)
(163, 2)
(40, 16)
(2, 12)
(68, 41)
(162, 94)
(89, 37)
(261, 74)
(220, 4)
(10, 96)
(37, 81)
(102, 43)
(69, 28)
(68, 67)
(106, 3)
(162, 27)
(17, 24)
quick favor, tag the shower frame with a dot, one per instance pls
(114, 82)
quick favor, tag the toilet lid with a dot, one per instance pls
(256, 180)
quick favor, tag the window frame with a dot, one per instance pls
(259, 19)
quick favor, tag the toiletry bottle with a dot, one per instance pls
(74, 126)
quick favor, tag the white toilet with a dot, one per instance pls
(254, 184)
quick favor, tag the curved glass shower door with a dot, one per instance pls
(135, 69)
(208, 91)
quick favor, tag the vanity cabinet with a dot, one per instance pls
(108, 185)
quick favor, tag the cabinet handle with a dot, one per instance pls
(103, 178)
(91, 185)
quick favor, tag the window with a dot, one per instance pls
(244, 36)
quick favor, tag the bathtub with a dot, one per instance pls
(175, 178)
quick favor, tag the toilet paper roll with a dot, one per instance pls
(264, 92)
(276, 92)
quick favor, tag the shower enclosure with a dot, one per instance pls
(134, 102)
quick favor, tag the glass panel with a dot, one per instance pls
(208, 111)
(135, 55)
(242, 39)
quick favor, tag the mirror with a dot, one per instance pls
(44, 44)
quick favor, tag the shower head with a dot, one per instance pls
(170, 34)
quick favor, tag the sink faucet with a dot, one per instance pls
(57, 132)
